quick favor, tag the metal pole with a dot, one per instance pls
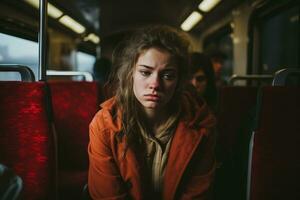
(98, 51)
(42, 41)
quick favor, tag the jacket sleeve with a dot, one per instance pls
(199, 181)
(104, 180)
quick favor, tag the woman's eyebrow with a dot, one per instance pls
(168, 68)
(146, 66)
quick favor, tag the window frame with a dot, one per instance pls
(265, 9)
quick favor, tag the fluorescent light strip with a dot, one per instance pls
(34, 3)
(191, 21)
(72, 24)
(93, 38)
(207, 5)
(56, 13)
(52, 10)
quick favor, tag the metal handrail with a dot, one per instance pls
(42, 40)
(27, 74)
(281, 76)
(255, 77)
(87, 75)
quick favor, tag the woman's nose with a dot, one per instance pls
(154, 82)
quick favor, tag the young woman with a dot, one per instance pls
(152, 140)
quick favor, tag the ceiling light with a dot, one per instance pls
(93, 38)
(52, 10)
(72, 24)
(191, 21)
(207, 5)
(34, 3)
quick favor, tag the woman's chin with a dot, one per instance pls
(152, 105)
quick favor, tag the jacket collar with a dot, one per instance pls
(112, 116)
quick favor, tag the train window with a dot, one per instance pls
(221, 41)
(85, 62)
(274, 37)
(280, 41)
(15, 50)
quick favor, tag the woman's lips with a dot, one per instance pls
(152, 97)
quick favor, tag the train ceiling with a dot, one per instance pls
(109, 16)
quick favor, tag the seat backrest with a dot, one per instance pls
(74, 104)
(26, 137)
(233, 105)
(288, 76)
(274, 166)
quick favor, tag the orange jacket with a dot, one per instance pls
(190, 166)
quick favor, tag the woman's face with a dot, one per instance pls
(199, 81)
(154, 79)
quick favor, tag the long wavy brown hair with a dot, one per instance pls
(162, 37)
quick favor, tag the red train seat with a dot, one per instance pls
(274, 158)
(26, 138)
(233, 105)
(74, 105)
(234, 122)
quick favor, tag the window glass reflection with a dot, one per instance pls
(15, 50)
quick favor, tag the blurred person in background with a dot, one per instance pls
(217, 59)
(101, 70)
(202, 77)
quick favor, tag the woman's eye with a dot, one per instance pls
(169, 76)
(145, 73)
